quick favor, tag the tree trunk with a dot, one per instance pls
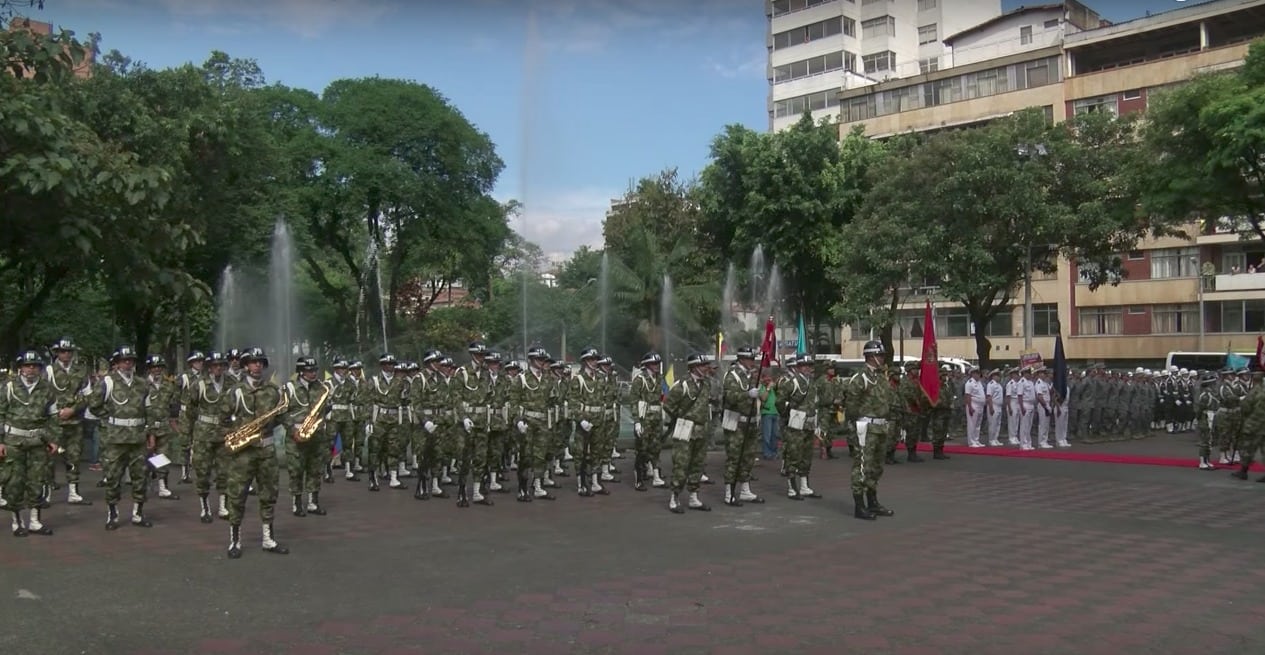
(142, 331)
(11, 335)
(983, 347)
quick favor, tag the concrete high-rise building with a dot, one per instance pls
(818, 47)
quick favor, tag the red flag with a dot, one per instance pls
(768, 349)
(929, 370)
(1260, 353)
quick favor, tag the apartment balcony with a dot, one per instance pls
(1235, 286)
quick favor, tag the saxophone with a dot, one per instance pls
(254, 430)
(315, 418)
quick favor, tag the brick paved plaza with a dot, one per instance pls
(985, 555)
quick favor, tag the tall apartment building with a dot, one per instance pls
(817, 47)
(1080, 64)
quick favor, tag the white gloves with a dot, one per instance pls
(368, 429)
(467, 424)
(522, 427)
(585, 425)
(429, 426)
(1179, 403)
(753, 393)
(637, 429)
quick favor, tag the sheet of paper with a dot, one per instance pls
(684, 429)
(641, 408)
(796, 419)
(729, 421)
(158, 461)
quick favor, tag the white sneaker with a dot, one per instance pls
(658, 480)
(595, 485)
(745, 494)
(476, 496)
(615, 454)
(1013, 442)
(694, 500)
(975, 444)
(1205, 465)
(494, 485)
(1045, 445)
(566, 454)
(995, 444)
(395, 481)
(1064, 444)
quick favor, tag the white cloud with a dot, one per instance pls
(307, 18)
(751, 64)
(561, 222)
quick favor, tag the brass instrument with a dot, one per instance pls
(254, 430)
(315, 418)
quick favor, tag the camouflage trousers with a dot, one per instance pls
(255, 463)
(1204, 428)
(449, 444)
(70, 438)
(129, 457)
(498, 444)
(797, 451)
(649, 444)
(386, 445)
(210, 462)
(607, 433)
(562, 437)
(868, 457)
(938, 424)
(22, 473)
(687, 464)
(1226, 428)
(533, 447)
(740, 451)
(348, 436)
(473, 461)
(305, 463)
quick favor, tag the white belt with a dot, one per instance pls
(126, 422)
(535, 415)
(748, 419)
(875, 421)
(340, 408)
(427, 412)
(593, 408)
(211, 420)
(19, 432)
(388, 410)
(654, 408)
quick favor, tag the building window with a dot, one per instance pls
(784, 7)
(808, 33)
(953, 322)
(927, 34)
(1045, 320)
(849, 27)
(1038, 73)
(1240, 315)
(880, 61)
(812, 66)
(1101, 320)
(1135, 94)
(1136, 255)
(1174, 262)
(811, 102)
(1052, 23)
(1085, 272)
(881, 26)
(1101, 103)
(1025, 35)
(929, 65)
(926, 5)
(1175, 319)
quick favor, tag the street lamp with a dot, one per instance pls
(1026, 151)
(1199, 293)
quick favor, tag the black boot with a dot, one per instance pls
(316, 505)
(524, 487)
(861, 511)
(204, 509)
(912, 455)
(329, 474)
(423, 487)
(43, 501)
(298, 506)
(891, 457)
(937, 452)
(462, 501)
(112, 517)
(373, 480)
(875, 508)
(1242, 472)
(234, 541)
(639, 477)
(19, 530)
(830, 452)
(138, 517)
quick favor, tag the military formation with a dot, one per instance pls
(222, 423)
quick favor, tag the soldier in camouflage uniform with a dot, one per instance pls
(429, 397)
(915, 414)
(797, 400)
(496, 394)
(1227, 423)
(1206, 404)
(941, 412)
(604, 446)
(873, 404)
(384, 395)
(305, 461)
(1252, 415)
(254, 397)
(530, 403)
(359, 437)
(28, 437)
(560, 449)
(69, 379)
(740, 421)
(162, 410)
(646, 400)
(585, 398)
(688, 411)
(451, 439)
(119, 401)
(470, 408)
(342, 416)
(187, 381)
(209, 407)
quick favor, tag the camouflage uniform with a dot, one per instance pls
(70, 385)
(470, 409)
(305, 461)
(163, 411)
(385, 397)
(646, 399)
(585, 398)
(608, 426)
(429, 403)
(688, 410)
(1206, 404)
(914, 416)
(1252, 411)
(256, 462)
(342, 417)
(740, 422)
(28, 431)
(874, 404)
(797, 402)
(183, 445)
(530, 409)
(209, 407)
(120, 402)
(496, 429)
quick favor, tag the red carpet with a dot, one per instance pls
(1072, 455)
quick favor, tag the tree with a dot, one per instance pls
(1205, 145)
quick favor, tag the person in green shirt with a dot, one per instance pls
(769, 426)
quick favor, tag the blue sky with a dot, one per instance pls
(618, 89)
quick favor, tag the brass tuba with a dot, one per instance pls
(254, 430)
(315, 418)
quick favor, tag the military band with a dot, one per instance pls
(226, 418)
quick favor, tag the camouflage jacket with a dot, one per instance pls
(28, 414)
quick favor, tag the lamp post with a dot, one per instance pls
(1026, 151)
(1199, 293)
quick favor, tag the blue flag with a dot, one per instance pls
(1237, 362)
(801, 348)
(1060, 367)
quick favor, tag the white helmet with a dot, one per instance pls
(1182, 372)
(1172, 369)
(1139, 370)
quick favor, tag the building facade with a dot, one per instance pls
(817, 47)
(1202, 294)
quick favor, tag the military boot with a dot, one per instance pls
(860, 510)
(164, 491)
(792, 490)
(184, 475)
(329, 473)
(539, 491)
(234, 541)
(112, 517)
(674, 505)
(437, 491)
(731, 495)
(222, 511)
(422, 492)
(204, 514)
(138, 516)
(639, 479)
(297, 506)
(1242, 472)
(746, 495)
(912, 455)
(19, 530)
(270, 545)
(481, 494)
(43, 501)
(524, 485)
(373, 480)
(462, 501)
(938, 452)
(873, 505)
(314, 504)
(34, 526)
(696, 503)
